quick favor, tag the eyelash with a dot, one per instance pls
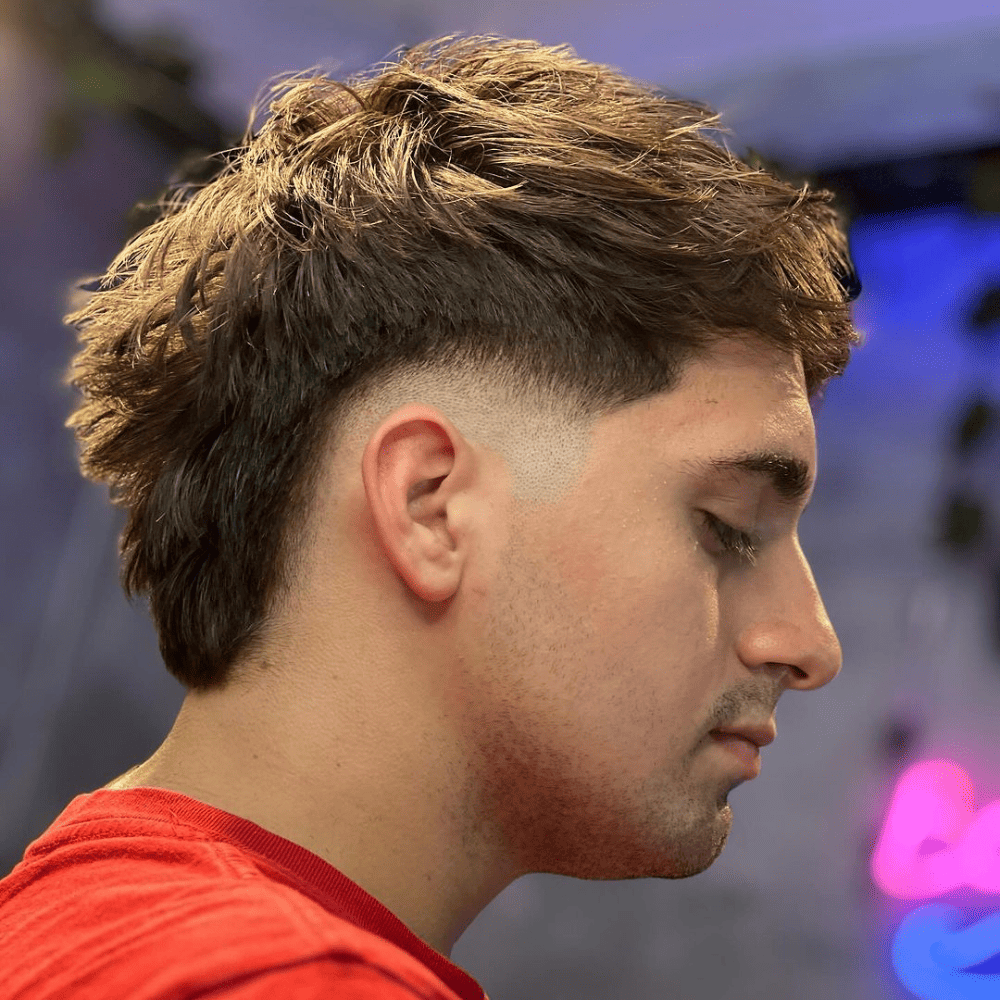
(740, 544)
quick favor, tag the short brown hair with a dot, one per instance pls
(480, 204)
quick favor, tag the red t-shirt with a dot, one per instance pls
(148, 894)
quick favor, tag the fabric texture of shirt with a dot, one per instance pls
(148, 894)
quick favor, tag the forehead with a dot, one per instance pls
(738, 401)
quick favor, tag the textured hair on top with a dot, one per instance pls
(482, 213)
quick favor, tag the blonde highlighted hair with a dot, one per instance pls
(479, 205)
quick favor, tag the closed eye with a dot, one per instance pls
(741, 544)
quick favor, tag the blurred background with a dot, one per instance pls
(896, 106)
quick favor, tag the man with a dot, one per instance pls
(463, 424)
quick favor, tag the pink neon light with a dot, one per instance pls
(935, 800)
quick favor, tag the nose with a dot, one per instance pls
(790, 628)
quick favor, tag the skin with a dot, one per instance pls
(467, 688)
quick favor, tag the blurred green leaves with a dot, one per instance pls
(145, 80)
(96, 80)
(963, 522)
(983, 190)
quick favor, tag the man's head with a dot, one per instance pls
(524, 239)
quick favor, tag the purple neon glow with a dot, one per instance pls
(934, 800)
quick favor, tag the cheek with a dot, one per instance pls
(663, 639)
(578, 561)
(630, 580)
(634, 579)
(597, 658)
(607, 560)
(639, 608)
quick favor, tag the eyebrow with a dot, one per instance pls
(790, 476)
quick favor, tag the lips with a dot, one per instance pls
(741, 749)
(758, 735)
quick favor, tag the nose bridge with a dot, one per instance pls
(820, 653)
(828, 635)
(792, 626)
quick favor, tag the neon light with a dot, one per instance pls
(931, 952)
(934, 800)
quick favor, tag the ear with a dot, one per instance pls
(417, 468)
